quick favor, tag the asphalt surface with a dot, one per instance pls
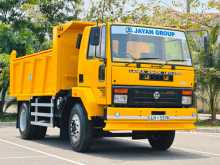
(189, 148)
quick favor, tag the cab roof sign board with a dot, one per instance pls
(157, 32)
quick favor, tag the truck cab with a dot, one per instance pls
(139, 73)
(113, 77)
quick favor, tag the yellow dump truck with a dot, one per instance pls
(106, 79)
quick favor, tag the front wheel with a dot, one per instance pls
(80, 131)
(161, 140)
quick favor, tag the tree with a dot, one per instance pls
(25, 26)
(10, 10)
(214, 4)
(209, 69)
(25, 41)
(50, 13)
(4, 79)
(112, 9)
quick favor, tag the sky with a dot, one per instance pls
(164, 2)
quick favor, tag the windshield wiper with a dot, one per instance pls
(131, 62)
(136, 60)
(176, 60)
(147, 58)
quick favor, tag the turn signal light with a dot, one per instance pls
(121, 90)
(187, 92)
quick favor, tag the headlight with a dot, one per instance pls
(120, 99)
(186, 100)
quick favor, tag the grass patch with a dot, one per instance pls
(8, 117)
(208, 123)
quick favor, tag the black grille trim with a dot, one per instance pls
(139, 96)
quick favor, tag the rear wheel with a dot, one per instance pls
(162, 140)
(80, 130)
(27, 130)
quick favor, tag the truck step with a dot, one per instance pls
(41, 114)
(42, 123)
(40, 117)
(41, 105)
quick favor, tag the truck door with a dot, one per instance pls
(95, 72)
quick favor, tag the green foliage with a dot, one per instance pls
(10, 11)
(50, 13)
(214, 4)
(59, 11)
(208, 73)
(26, 25)
(8, 117)
(109, 9)
(24, 40)
(4, 79)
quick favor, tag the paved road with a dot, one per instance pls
(189, 148)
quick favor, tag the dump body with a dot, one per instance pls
(29, 74)
(47, 72)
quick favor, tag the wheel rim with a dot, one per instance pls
(23, 119)
(75, 128)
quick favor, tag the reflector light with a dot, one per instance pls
(187, 92)
(121, 90)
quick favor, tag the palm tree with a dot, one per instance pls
(209, 67)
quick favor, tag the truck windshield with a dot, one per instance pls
(149, 45)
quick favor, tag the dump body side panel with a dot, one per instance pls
(33, 75)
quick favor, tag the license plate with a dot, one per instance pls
(158, 117)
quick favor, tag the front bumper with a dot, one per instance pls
(139, 119)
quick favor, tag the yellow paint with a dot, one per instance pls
(184, 75)
(89, 69)
(89, 101)
(48, 72)
(133, 124)
(149, 125)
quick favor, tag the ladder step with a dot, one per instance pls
(41, 114)
(41, 123)
(41, 104)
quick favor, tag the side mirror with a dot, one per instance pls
(95, 36)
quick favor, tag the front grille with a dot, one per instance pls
(145, 97)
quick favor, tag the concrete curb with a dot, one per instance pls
(7, 124)
(208, 129)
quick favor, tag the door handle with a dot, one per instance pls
(102, 72)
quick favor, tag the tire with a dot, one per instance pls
(80, 130)
(28, 131)
(64, 133)
(162, 140)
